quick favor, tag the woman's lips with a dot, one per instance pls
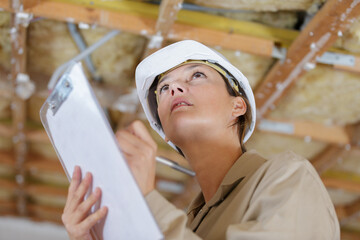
(179, 103)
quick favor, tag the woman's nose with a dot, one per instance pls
(176, 88)
(179, 89)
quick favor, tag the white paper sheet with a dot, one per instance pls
(82, 136)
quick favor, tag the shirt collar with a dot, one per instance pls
(245, 166)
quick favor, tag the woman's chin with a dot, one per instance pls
(187, 129)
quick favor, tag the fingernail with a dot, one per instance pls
(104, 209)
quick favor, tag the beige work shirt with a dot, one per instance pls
(279, 198)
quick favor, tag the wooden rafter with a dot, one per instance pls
(167, 16)
(301, 129)
(354, 133)
(146, 26)
(355, 68)
(314, 131)
(348, 210)
(18, 68)
(313, 41)
(349, 235)
(327, 158)
(340, 180)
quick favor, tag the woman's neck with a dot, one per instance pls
(211, 161)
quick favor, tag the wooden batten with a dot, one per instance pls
(145, 25)
(354, 134)
(313, 41)
(347, 210)
(337, 183)
(355, 68)
(327, 158)
(305, 129)
(18, 67)
(167, 16)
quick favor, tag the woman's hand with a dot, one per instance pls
(76, 218)
(139, 150)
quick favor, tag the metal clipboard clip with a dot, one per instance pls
(60, 93)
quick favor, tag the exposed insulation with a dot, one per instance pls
(116, 60)
(252, 66)
(256, 5)
(269, 144)
(5, 45)
(323, 95)
(350, 39)
(50, 45)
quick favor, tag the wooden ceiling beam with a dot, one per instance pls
(354, 133)
(347, 185)
(349, 235)
(304, 129)
(19, 78)
(301, 129)
(144, 25)
(355, 68)
(320, 33)
(327, 158)
(167, 16)
(348, 210)
(347, 181)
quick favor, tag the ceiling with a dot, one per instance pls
(302, 59)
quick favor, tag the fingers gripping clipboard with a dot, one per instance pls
(81, 135)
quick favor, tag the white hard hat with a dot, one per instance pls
(170, 57)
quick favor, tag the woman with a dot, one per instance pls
(204, 108)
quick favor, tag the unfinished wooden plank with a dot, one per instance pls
(18, 75)
(167, 15)
(354, 133)
(37, 136)
(310, 130)
(327, 158)
(355, 68)
(6, 130)
(344, 184)
(228, 40)
(349, 235)
(313, 41)
(193, 18)
(345, 211)
(146, 26)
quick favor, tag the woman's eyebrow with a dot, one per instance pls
(188, 68)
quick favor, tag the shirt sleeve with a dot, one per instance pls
(290, 202)
(172, 221)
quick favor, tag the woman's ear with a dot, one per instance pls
(239, 107)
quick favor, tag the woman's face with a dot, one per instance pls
(193, 103)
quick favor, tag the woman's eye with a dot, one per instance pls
(164, 88)
(198, 75)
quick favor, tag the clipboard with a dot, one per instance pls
(81, 135)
